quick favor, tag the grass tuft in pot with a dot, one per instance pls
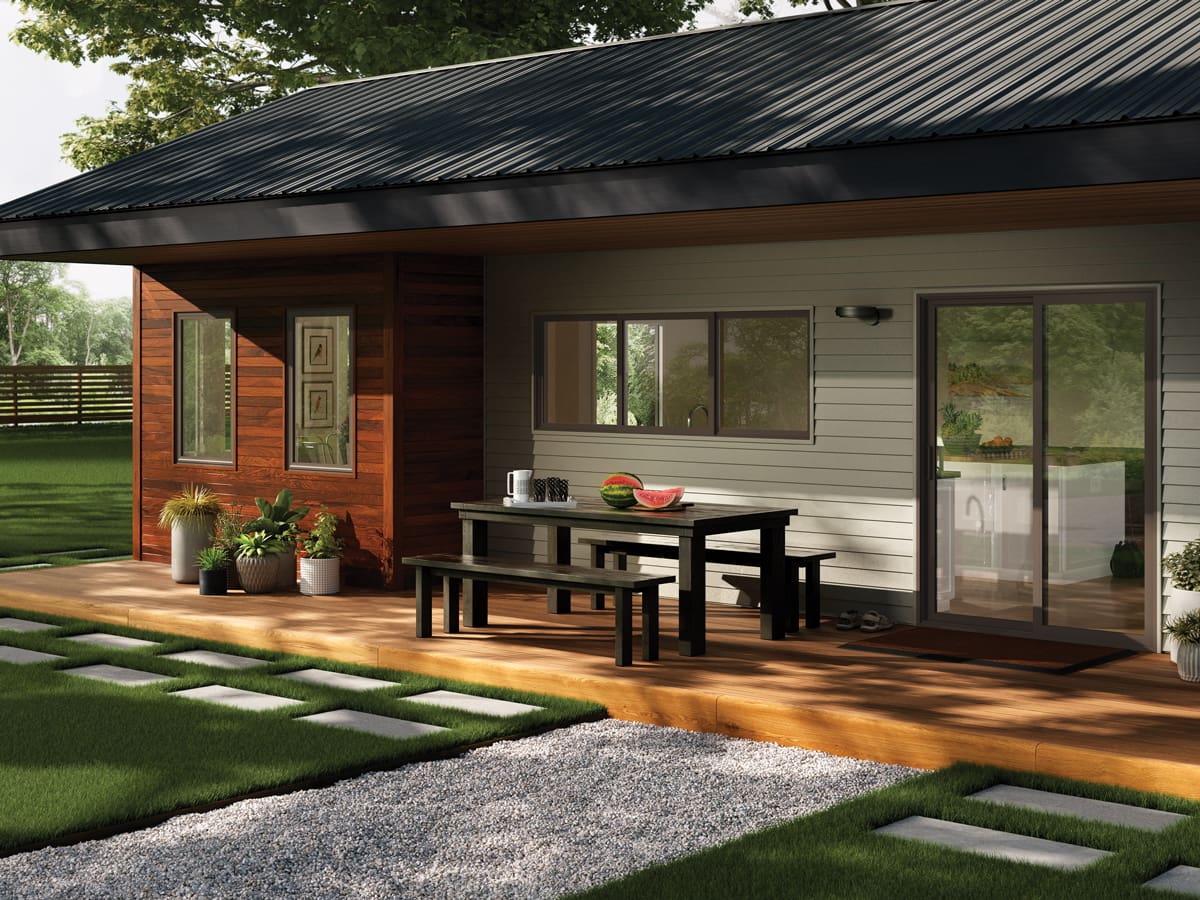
(194, 505)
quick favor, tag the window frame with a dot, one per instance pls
(182, 458)
(713, 321)
(290, 408)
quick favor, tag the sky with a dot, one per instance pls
(41, 99)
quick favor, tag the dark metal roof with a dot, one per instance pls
(898, 73)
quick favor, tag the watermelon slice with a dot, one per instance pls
(658, 499)
(617, 490)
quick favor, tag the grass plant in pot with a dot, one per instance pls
(280, 520)
(1185, 632)
(320, 567)
(190, 515)
(1183, 567)
(960, 430)
(256, 562)
(229, 526)
(213, 562)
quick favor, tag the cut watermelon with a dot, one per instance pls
(617, 490)
(658, 499)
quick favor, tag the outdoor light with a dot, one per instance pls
(868, 314)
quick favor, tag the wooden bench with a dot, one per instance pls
(601, 547)
(454, 569)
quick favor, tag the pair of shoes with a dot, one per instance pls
(874, 621)
(849, 620)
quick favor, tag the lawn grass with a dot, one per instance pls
(78, 754)
(65, 488)
(834, 854)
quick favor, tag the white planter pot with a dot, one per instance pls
(1178, 603)
(187, 540)
(320, 576)
(1189, 662)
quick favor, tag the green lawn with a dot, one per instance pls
(834, 854)
(65, 488)
(78, 754)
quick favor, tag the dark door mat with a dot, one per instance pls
(1050, 657)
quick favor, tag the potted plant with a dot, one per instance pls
(281, 521)
(213, 562)
(1185, 632)
(960, 430)
(190, 515)
(1183, 567)
(256, 554)
(320, 567)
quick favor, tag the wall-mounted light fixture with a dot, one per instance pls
(868, 314)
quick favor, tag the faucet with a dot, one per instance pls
(978, 503)
(693, 409)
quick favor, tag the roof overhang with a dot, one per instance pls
(1155, 160)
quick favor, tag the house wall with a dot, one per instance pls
(855, 482)
(418, 339)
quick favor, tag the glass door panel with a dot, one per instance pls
(984, 421)
(1095, 456)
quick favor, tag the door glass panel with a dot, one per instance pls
(1095, 465)
(984, 419)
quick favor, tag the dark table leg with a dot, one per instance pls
(596, 554)
(475, 603)
(558, 548)
(424, 602)
(450, 604)
(623, 601)
(773, 610)
(691, 596)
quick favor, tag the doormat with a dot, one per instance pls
(1049, 657)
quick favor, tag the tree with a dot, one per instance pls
(195, 62)
(30, 297)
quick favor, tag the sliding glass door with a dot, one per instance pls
(1036, 508)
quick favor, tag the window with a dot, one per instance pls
(320, 395)
(203, 389)
(717, 373)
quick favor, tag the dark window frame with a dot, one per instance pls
(290, 408)
(180, 457)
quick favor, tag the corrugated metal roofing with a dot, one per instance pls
(904, 72)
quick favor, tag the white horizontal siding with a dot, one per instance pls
(854, 484)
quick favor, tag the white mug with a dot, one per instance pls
(517, 484)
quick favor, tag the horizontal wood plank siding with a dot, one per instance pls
(855, 483)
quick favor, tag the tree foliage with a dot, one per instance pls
(194, 62)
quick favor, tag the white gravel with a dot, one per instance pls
(537, 817)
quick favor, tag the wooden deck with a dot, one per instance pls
(1132, 722)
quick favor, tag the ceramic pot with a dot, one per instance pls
(1189, 662)
(213, 583)
(320, 576)
(1178, 603)
(187, 540)
(258, 574)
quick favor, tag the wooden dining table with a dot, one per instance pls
(691, 524)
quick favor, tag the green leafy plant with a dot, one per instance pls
(959, 421)
(212, 559)
(257, 544)
(191, 506)
(322, 541)
(1185, 628)
(1184, 567)
(279, 518)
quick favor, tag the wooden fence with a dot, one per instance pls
(41, 395)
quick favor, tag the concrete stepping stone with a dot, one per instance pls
(1181, 879)
(1080, 807)
(327, 678)
(236, 697)
(118, 675)
(116, 641)
(220, 660)
(1002, 844)
(7, 623)
(21, 656)
(384, 726)
(471, 703)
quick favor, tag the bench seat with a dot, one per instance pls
(809, 562)
(454, 569)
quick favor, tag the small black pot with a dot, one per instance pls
(214, 583)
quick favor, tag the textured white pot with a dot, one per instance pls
(187, 540)
(1178, 603)
(320, 576)
(1189, 662)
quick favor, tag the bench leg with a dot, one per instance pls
(558, 541)
(597, 552)
(475, 542)
(623, 599)
(650, 623)
(793, 596)
(812, 594)
(424, 603)
(450, 586)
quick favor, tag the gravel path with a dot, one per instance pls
(536, 817)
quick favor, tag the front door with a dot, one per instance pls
(1037, 421)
